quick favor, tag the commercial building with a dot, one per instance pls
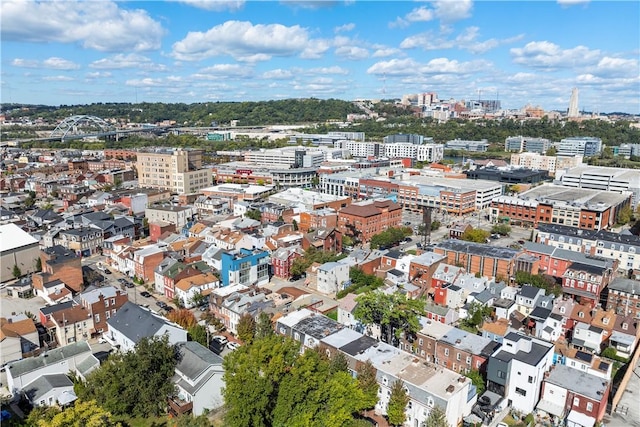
(17, 248)
(409, 138)
(603, 179)
(586, 146)
(176, 215)
(288, 157)
(509, 176)
(558, 204)
(258, 174)
(364, 220)
(309, 200)
(179, 171)
(550, 164)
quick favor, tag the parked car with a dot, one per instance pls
(204, 307)
(521, 242)
(129, 285)
(233, 345)
(221, 339)
(145, 294)
(161, 304)
(107, 271)
(168, 308)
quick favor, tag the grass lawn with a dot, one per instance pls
(143, 422)
(510, 421)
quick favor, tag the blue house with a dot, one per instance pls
(245, 267)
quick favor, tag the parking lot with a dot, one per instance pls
(12, 305)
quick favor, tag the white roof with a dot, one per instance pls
(13, 237)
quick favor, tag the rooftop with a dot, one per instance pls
(477, 249)
(577, 381)
(13, 237)
(50, 357)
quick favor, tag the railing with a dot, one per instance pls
(178, 406)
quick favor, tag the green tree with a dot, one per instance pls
(477, 380)
(198, 299)
(437, 418)
(625, 215)
(502, 229)
(246, 328)
(294, 223)
(368, 384)
(16, 272)
(188, 420)
(476, 235)
(338, 363)
(552, 151)
(398, 401)
(198, 333)
(264, 328)
(254, 214)
(38, 263)
(81, 414)
(394, 314)
(135, 383)
(41, 414)
(252, 375)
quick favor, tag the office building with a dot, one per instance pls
(586, 146)
(406, 138)
(289, 157)
(477, 146)
(520, 144)
(573, 104)
(603, 179)
(179, 171)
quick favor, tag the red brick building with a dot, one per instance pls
(62, 264)
(282, 260)
(364, 220)
(327, 218)
(101, 304)
(586, 282)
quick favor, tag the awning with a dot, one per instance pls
(67, 397)
(551, 408)
(578, 419)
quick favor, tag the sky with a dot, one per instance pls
(79, 52)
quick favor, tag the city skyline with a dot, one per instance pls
(205, 51)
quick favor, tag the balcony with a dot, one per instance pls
(178, 406)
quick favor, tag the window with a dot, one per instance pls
(576, 401)
(589, 406)
(420, 342)
(502, 374)
(521, 392)
(468, 360)
(530, 379)
(106, 303)
(458, 356)
(97, 318)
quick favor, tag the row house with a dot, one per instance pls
(487, 260)
(555, 261)
(210, 205)
(146, 259)
(427, 385)
(71, 324)
(101, 304)
(331, 277)
(231, 307)
(422, 269)
(52, 291)
(186, 289)
(516, 370)
(441, 280)
(364, 220)
(325, 239)
(623, 249)
(573, 397)
(85, 241)
(171, 271)
(584, 362)
(586, 282)
(282, 259)
(18, 338)
(624, 297)
(229, 240)
(190, 249)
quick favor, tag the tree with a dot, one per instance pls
(198, 333)
(16, 271)
(264, 328)
(254, 214)
(252, 375)
(368, 384)
(502, 229)
(81, 414)
(183, 317)
(188, 420)
(476, 235)
(38, 263)
(198, 299)
(625, 215)
(135, 383)
(437, 418)
(394, 314)
(398, 401)
(552, 151)
(338, 363)
(246, 328)
(477, 380)
(294, 223)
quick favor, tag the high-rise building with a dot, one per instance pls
(179, 171)
(573, 104)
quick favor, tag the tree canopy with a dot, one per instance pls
(398, 401)
(476, 235)
(395, 314)
(390, 237)
(269, 383)
(134, 383)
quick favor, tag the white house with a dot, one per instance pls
(516, 370)
(18, 336)
(587, 337)
(198, 378)
(50, 389)
(202, 284)
(331, 276)
(346, 307)
(131, 323)
(76, 357)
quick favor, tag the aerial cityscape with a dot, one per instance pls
(320, 213)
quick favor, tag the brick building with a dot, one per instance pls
(585, 282)
(101, 304)
(63, 264)
(364, 220)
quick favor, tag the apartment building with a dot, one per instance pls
(289, 157)
(521, 144)
(586, 282)
(101, 304)
(364, 220)
(245, 267)
(176, 215)
(624, 297)
(476, 146)
(179, 171)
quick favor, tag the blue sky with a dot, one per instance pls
(65, 52)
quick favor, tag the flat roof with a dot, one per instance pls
(578, 381)
(13, 237)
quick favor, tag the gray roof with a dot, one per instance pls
(87, 365)
(478, 249)
(42, 385)
(136, 322)
(484, 297)
(540, 313)
(359, 345)
(317, 326)
(577, 381)
(529, 291)
(195, 359)
(50, 357)
(472, 343)
(47, 310)
(531, 358)
(93, 296)
(628, 286)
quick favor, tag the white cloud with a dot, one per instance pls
(568, 3)
(99, 74)
(410, 67)
(56, 63)
(345, 28)
(102, 25)
(53, 63)
(466, 40)
(216, 5)
(131, 60)
(549, 55)
(329, 70)
(58, 78)
(608, 66)
(384, 52)
(446, 11)
(354, 53)
(243, 41)
(309, 4)
(278, 74)
(228, 70)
